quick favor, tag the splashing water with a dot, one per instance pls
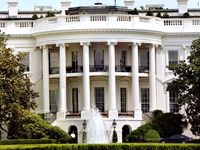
(96, 131)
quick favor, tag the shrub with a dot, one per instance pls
(114, 137)
(165, 15)
(134, 12)
(138, 134)
(158, 15)
(149, 13)
(27, 141)
(34, 17)
(151, 136)
(186, 15)
(50, 14)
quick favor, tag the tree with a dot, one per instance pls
(114, 137)
(187, 85)
(16, 93)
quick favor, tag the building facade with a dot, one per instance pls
(103, 56)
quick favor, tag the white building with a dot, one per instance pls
(101, 55)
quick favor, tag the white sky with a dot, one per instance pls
(29, 4)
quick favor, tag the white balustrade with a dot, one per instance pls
(109, 21)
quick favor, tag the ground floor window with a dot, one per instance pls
(99, 98)
(173, 97)
(75, 100)
(53, 101)
(123, 99)
(145, 100)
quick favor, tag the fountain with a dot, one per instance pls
(95, 130)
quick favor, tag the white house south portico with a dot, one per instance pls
(101, 55)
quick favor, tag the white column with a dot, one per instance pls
(135, 82)
(45, 56)
(112, 82)
(152, 78)
(86, 81)
(62, 108)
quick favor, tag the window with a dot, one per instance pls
(144, 59)
(74, 61)
(123, 99)
(53, 101)
(53, 62)
(173, 57)
(145, 100)
(123, 58)
(99, 60)
(75, 100)
(26, 61)
(173, 97)
(99, 98)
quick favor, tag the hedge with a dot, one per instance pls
(103, 147)
(27, 141)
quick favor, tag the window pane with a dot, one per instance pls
(145, 100)
(99, 98)
(26, 61)
(173, 97)
(75, 100)
(173, 57)
(53, 101)
(123, 99)
(123, 58)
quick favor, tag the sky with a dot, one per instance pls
(29, 4)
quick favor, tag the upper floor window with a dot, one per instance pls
(26, 61)
(173, 57)
(123, 58)
(98, 57)
(54, 62)
(74, 61)
(173, 97)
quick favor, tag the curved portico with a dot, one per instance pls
(110, 73)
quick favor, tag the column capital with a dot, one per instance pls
(136, 43)
(61, 44)
(155, 45)
(85, 43)
(112, 43)
(43, 47)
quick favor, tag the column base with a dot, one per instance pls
(113, 114)
(60, 115)
(85, 114)
(138, 114)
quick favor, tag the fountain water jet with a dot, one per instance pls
(95, 130)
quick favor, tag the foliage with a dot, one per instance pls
(84, 138)
(35, 17)
(166, 15)
(26, 141)
(114, 137)
(157, 113)
(138, 134)
(149, 13)
(134, 12)
(187, 85)
(34, 127)
(152, 136)
(103, 147)
(159, 15)
(16, 93)
(50, 14)
(186, 15)
(168, 124)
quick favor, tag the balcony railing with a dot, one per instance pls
(98, 68)
(121, 68)
(76, 69)
(143, 69)
(127, 113)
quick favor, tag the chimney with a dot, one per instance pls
(65, 4)
(129, 4)
(182, 6)
(12, 8)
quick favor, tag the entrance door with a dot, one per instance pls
(125, 133)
